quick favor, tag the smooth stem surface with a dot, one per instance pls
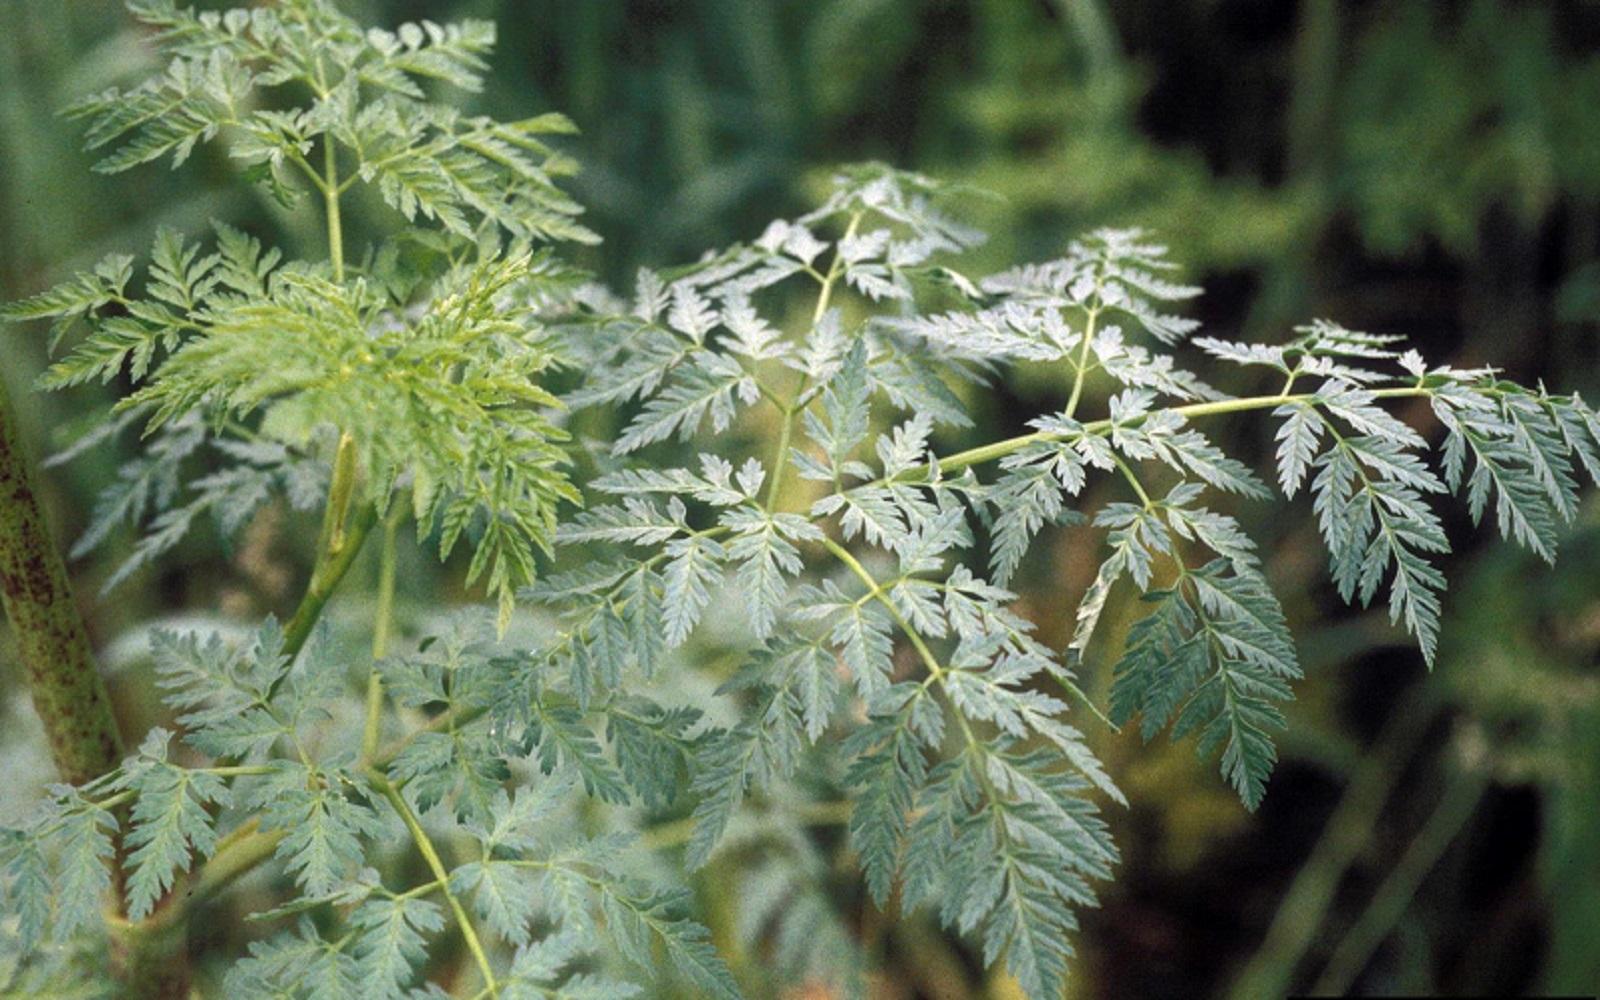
(330, 198)
(875, 592)
(1000, 449)
(674, 833)
(323, 584)
(780, 461)
(381, 628)
(937, 673)
(149, 958)
(259, 844)
(1083, 362)
(338, 545)
(835, 268)
(249, 845)
(383, 618)
(237, 853)
(341, 487)
(68, 692)
(436, 865)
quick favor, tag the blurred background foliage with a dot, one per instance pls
(1407, 166)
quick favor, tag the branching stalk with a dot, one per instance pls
(1083, 362)
(1000, 449)
(431, 855)
(341, 540)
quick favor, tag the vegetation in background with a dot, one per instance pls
(699, 125)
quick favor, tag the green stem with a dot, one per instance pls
(380, 632)
(1083, 362)
(875, 592)
(241, 850)
(431, 855)
(1133, 480)
(676, 832)
(331, 566)
(330, 198)
(249, 846)
(936, 671)
(339, 543)
(1000, 449)
(69, 694)
(323, 584)
(835, 268)
(341, 488)
(149, 959)
(780, 460)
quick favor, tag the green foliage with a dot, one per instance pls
(169, 823)
(1001, 836)
(830, 582)
(1212, 658)
(425, 352)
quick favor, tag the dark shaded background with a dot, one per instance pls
(1412, 166)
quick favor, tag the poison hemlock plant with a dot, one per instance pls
(882, 678)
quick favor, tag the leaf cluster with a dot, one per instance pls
(738, 635)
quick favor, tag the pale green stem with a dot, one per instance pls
(1133, 480)
(936, 670)
(780, 461)
(1000, 449)
(824, 297)
(330, 198)
(341, 488)
(237, 853)
(1083, 363)
(381, 629)
(341, 541)
(676, 832)
(959, 460)
(436, 865)
(337, 545)
(875, 592)
(835, 268)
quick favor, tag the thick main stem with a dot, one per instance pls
(70, 696)
(68, 692)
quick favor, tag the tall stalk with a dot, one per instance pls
(70, 696)
(68, 691)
